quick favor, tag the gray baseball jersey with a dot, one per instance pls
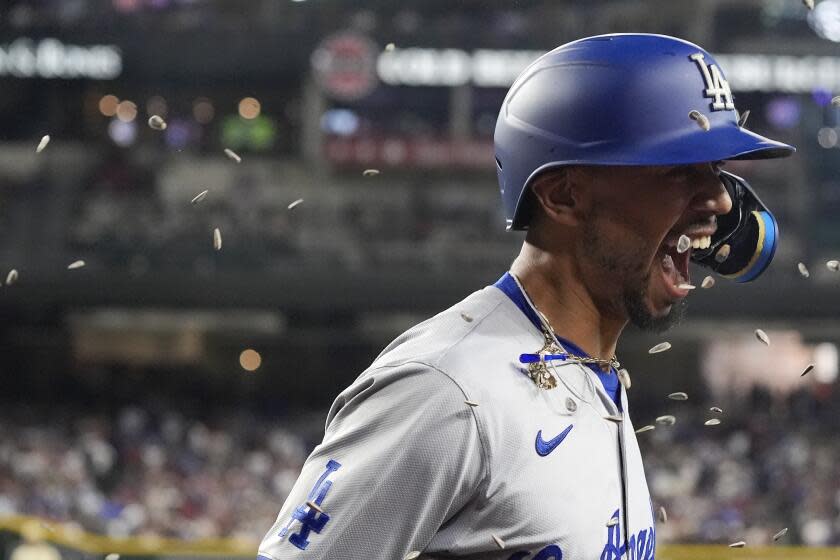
(444, 446)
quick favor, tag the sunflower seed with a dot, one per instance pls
(701, 119)
(685, 286)
(12, 277)
(780, 534)
(157, 123)
(666, 420)
(716, 410)
(722, 253)
(835, 100)
(707, 283)
(762, 336)
(113, 556)
(471, 403)
(466, 317)
(75, 264)
(742, 119)
(808, 368)
(644, 429)
(295, 203)
(233, 155)
(624, 378)
(712, 422)
(42, 144)
(663, 515)
(389, 47)
(314, 506)
(614, 418)
(683, 243)
(612, 522)
(370, 172)
(412, 555)
(499, 542)
(571, 405)
(678, 396)
(803, 270)
(808, 4)
(661, 347)
(217, 239)
(833, 266)
(199, 197)
(739, 544)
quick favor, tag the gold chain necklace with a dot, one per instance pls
(552, 350)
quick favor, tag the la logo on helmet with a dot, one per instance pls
(716, 86)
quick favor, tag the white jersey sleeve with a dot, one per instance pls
(401, 455)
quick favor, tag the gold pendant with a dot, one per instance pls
(539, 372)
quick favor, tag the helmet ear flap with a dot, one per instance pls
(749, 230)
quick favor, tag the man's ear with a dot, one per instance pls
(558, 195)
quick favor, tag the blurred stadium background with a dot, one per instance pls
(159, 401)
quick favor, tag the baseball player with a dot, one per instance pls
(499, 428)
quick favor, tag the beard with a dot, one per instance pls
(628, 269)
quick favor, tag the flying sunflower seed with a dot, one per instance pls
(666, 420)
(499, 542)
(742, 120)
(75, 264)
(614, 418)
(624, 379)
(42, 144)
(663, 515)
(739, 544)
(661, 347)
(683, 243)
(701, 119)
(808, 368)
(370, 172)
(808, 4)
(113, 556)
(12, 277)
(466, 317)
(835, 100)
(712, 422)
(762, 336)
(707, 283)
(644, 429)
(412, 555)
(678, 396)
(833, 266)
(199, 197)
(217, 239)
(157, 123)
(389, 47)
(233, 155)
(686, 286)
(780, 534)
(803, 270)
(314, 506)
(716, 410)
(612, 522)
(471, 403)
(722, 253)
(295, 203)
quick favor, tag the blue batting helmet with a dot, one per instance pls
(622, 99)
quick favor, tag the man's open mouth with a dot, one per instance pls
(674, 263)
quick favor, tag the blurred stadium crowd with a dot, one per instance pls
(156, 470)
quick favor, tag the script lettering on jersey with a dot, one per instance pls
(310, 519)
(716, 86)
(640, 546)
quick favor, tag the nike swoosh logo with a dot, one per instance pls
(545, 447)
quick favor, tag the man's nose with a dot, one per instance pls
(712, 196)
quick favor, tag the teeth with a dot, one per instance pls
(703, 242)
